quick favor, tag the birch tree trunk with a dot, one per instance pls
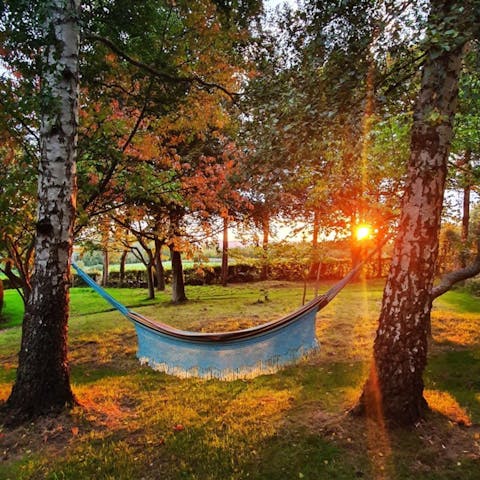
(43, 380)
(393, 392)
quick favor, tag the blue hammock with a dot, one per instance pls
(226, 355)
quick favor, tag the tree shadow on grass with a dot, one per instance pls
(457, 372)
(145, 424)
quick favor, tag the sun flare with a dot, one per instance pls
(363, 231)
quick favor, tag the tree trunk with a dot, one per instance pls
(150, 283)
(106, 266)
(393, 392)
(315, 265)
(467, 185)
(466, 212)
(380, 240)
(22, 282)
(123, 260)
(355, 246)
(266, 232)
(43, 378)
(224, 273)
(357, 249)
(21, 260)
(149, 263)
(159, 270)
(178, 284)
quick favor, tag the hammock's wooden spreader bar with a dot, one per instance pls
(226, 355)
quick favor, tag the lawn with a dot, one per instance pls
(135, 423)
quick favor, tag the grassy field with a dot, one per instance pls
(135, 423)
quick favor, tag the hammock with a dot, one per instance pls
(225, 355)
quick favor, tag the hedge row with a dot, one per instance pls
(245, 273)
(242, 273)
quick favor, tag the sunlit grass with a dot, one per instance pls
(135, 423)
(446, 404)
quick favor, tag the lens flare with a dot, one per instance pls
(363, 231)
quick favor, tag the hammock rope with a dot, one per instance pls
(230, 355)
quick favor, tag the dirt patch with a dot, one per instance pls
(50, 434)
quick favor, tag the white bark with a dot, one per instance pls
(43, 382)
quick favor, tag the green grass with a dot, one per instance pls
(457, 300)
(12, 311)
(84, 301)
(290, 425)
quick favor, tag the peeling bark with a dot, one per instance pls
(43, 378)
(393, 392)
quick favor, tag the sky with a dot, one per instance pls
(270, 4)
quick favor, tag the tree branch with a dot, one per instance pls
(15, 281)
(450, 279)
(158, 74)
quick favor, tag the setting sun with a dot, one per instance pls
(362, 232)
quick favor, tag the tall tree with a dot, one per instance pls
(43, 379)
(314, 136)
(394, 389)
